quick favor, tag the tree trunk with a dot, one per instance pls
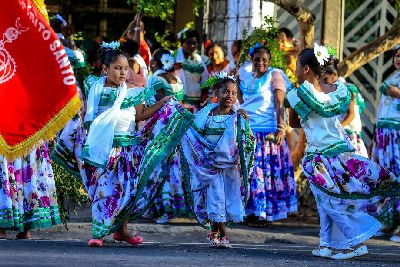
(372, 50)
(303, 15)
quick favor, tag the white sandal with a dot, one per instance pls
(322, 252)
(395, 238)
(363, 250)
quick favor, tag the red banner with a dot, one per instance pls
(38, 93)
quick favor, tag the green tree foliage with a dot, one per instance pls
(266, 34)
(163, 9)
(164, 40)
(197, 5)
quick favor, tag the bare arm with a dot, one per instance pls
(143, 114)
(294, 120)
(298, 152)
(136, 30)
(279, 96)
(350, 113)
(393, 91)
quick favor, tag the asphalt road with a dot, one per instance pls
(76, 253)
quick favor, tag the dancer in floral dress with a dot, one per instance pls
(217, 159)
(122, 169)
(352, 192)
(272, 188)
(28, 198)
(386, 150)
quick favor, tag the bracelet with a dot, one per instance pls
(281, 127)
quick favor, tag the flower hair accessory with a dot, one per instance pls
(217, 79)
(63, 21)
(167, 61)
(321, 53)
(113, 45)
(251, 50)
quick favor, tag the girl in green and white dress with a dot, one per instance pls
(352, 192)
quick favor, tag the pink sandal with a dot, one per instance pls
(95, 243)
(132, 240)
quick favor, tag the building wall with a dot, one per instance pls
(224, 21)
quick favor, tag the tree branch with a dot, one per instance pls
(372, 50)
(303, 15)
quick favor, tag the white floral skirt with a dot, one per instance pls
(28, 198)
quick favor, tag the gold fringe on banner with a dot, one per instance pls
(46, 133)
(41, 6)
(51, 128)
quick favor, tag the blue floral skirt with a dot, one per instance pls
(272, 186)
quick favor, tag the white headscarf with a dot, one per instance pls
(101, 133)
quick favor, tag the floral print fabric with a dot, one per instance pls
(28, 197)
(134, 174)
(172, 201)
(272, 187)
(358, 144)
(217, 157)
(353, 182)
(110, 189)
(386, 152)
(352, 193)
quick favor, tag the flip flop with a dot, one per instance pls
(95, 243)
(132, 240)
